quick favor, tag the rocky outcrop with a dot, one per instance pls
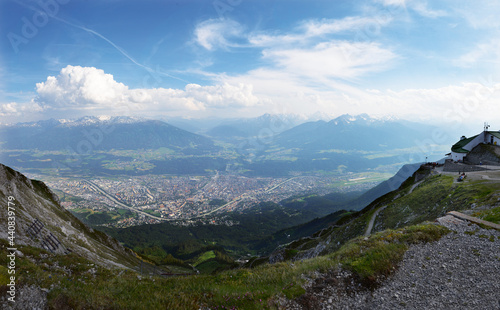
(28, 297)
(42, 222)
(485, 154)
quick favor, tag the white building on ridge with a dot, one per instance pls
(460, 149)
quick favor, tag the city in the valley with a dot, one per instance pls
(150, 199)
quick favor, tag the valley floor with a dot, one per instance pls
(460, 271)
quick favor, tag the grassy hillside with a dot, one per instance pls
(76, 283)
(423, 197)
(252, 233)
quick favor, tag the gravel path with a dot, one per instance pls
(460, 271)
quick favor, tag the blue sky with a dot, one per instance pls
(421, 60)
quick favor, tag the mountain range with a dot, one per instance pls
(270, 145)
(352, 133)
(93, 133)
(265, 125)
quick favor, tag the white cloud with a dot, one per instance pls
(479, 14)
(466, 103)
(84, 88)
(350, 23)
(259, 91)
(8, 109)
(16, 109)
(305, 67)
(395, 5)
(310, 50)
(337, 59)
(80, 86)
(217, 33)
(423, 9)
(485, 52)
(418, 6)
(221, 96)
(393, 2)
(313, 29)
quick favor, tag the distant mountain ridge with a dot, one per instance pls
(101, 133)
(263, 146)
(266, 124)
(86, 120)
(348, 132)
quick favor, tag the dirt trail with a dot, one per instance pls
(414, 186)
(372, 221)
(374, 216)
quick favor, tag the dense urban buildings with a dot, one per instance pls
(156, 198)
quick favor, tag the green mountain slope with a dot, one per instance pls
(425, 196)
(252, 232)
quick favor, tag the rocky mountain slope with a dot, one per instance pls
(41, 222)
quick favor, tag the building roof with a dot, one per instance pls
(495, 133)
(458, 147)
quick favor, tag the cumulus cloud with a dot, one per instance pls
(80, 86)
(8, 108)
(16, 109)
(90, 88)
